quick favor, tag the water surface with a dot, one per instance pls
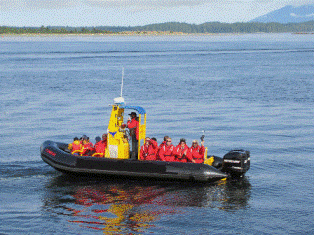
(253, 92)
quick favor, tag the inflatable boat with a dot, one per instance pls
(117, 159)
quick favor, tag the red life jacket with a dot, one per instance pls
(167, 153)
(76, 145)
(160, 146)
(197, 153)
(100, 147)
(87, 147)
(133, 124)
(183, 154)
(149, 152)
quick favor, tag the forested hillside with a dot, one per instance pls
(211, 27)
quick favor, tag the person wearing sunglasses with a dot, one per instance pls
(167, 152)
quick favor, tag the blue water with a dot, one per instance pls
(254, 92)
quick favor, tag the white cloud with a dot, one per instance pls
(136, 5)
(143, 5)
(133, 4)
(140, 3)
(298, 16)
(10, 5)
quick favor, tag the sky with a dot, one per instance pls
(36, 13)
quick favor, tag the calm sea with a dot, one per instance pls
(253, 92)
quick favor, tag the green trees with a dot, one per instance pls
(50, 30)
(210, 27)
(217, 27)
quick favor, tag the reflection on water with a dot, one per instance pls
(127, 206)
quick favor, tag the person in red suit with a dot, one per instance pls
(197, 152)
(88, 147)
(149, 150)
(162, 144)
(100, 147)
(182, 152)
(76, 146)
(167, 152)
(133, 126)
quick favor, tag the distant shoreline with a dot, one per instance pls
(131, 33)
(170, 28)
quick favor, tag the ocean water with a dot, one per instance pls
(252, 92)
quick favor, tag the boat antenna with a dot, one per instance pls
(120, 100)
(122, 80)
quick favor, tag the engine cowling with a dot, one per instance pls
(236, 162)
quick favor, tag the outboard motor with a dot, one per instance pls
(236, 162)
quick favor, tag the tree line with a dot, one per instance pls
(217, 27)
(52, 30)
(210, 27)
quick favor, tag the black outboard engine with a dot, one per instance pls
(236, 162)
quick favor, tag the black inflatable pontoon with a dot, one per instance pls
(57, 155)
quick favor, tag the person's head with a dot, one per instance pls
(154, 139)
(168, 141)
(194, 143)
(166, 137)
(147, 140)
(104, 136)
(84, 138)
(97, 139)
(133, 115)
(75, 139)
(182, 142)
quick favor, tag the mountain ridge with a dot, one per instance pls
(288, 14)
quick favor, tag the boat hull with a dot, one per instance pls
(55, 154)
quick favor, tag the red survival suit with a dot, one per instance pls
(167, 153)
(149, 152)
(76, 145)
(197, 153)
(160, 146)
(100, 148)
(87, 148)
(183, 154)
